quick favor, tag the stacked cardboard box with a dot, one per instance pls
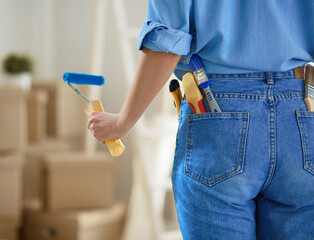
(13, 140)
(34, 153)
(56, 123)
(10, 185)
(10, 191)
(75, 180)
(98, 224)
(78, 199)
(13, 127)
(9, 229)
(60, 186)
(37, 115)
(65, 110)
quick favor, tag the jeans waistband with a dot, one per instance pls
(296, 73)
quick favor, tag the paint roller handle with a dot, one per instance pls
(115, 147)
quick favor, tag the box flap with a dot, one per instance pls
(77, 219)
(8, 92)
(8, 224)
(101, 217)
(11, 161)
(58, 219)
(76, 162)
(48, 145)
(38, 97)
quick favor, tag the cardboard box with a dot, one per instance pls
(74, 180)
(97, 224)
(32, 170)
(13, 126)
(33, 204)
(9, 230)
(65, 109)
(10, 186)
(37, 115)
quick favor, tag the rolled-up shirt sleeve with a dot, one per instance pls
(167, 27)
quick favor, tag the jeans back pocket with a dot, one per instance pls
(216, 146)
(306, 127)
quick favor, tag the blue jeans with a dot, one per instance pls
(247, 172)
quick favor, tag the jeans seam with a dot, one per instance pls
(188, 141)
(178, 131)
(245, 132)
(207, 115)
(259, 97)
(289, 96)
(249, 78)
(214, 181)
(272, 133)
(241, 96)
(304, 143)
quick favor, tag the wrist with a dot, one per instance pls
(123, 124)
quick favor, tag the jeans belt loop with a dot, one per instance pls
(299, 72)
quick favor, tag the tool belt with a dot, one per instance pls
(193, 91)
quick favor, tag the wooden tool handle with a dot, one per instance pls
(309, 104)
(115, 147)
(192, 93)
(177, 97)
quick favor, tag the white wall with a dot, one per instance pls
(73, 35)
(57, 33)
(14, 24)
(116, 85)
(27, 26)
(15, 18)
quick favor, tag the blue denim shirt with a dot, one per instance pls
(232, 36)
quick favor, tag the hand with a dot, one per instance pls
(105, 126)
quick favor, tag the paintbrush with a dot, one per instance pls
(192, 93)
(309, 86)
(203, 82)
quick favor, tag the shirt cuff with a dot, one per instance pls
(159, 37)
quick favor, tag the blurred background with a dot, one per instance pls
(56, 181)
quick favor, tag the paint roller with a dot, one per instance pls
(115, 147)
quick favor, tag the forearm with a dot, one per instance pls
(153, 71)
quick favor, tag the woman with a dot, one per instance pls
(247, 172)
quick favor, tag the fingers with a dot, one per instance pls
(93, 118)
(93, 114)
(103, 126)
(96, 136)
(89, 124)
(92, 125)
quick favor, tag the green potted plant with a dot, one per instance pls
(18, 68)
